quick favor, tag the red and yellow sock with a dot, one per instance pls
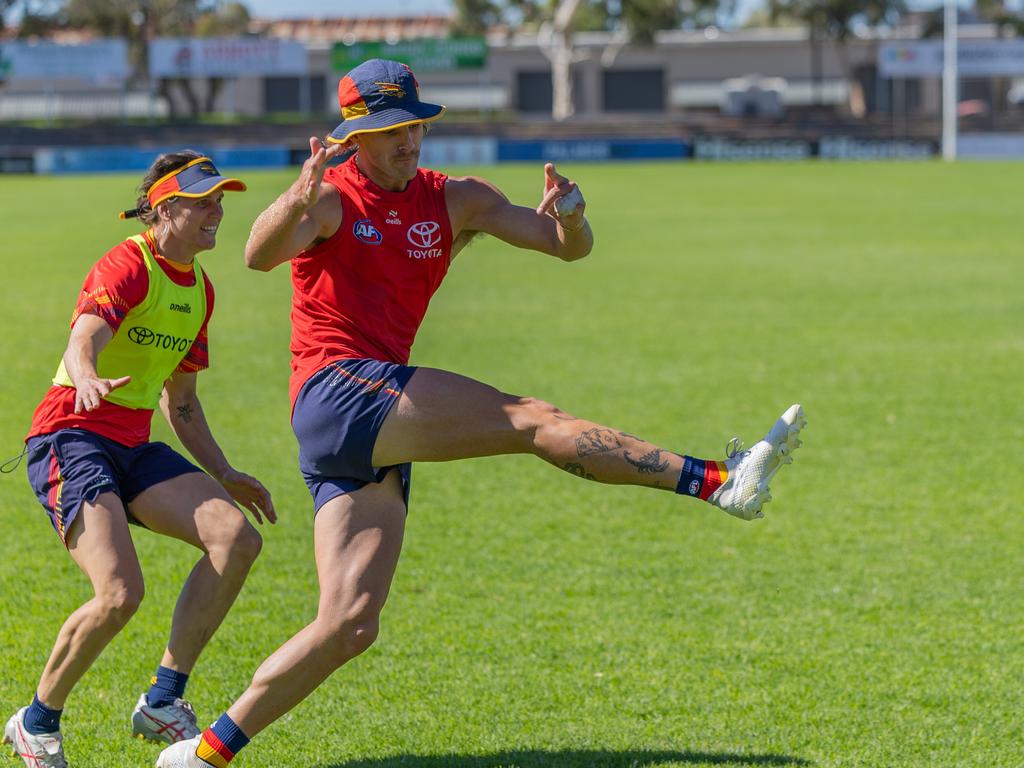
(221, 742)
(700, 477)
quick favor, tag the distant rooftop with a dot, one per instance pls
(353, 29)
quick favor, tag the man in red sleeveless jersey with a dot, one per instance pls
(369, 242)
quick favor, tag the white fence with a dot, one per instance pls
(92, 106)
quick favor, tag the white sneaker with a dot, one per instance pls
(45, 750)
(170, 723)
(182, 755)
(746, 489)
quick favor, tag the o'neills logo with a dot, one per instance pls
(186, 308)
(147, 338)
(425, 235)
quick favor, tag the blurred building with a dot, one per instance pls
(758, 82)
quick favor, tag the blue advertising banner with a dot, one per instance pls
(121, 159)
(591, 150)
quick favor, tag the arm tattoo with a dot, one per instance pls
(185, 413)
(596, 440)
(649, 463)
(579, 471)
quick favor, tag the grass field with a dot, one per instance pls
(874, 618)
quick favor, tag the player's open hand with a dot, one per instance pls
(562, 199)
(90, 392)
(250, 493)
(307, 187)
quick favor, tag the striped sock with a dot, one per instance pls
(701, 477)
(221, 742)
(166, 686)
(40, 719)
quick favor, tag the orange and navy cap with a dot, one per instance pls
(379, 95)
(198, 178)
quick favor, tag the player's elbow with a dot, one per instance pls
(255, 260)
(575, 251)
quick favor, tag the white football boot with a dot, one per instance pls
(171, 723)
(45, 750)
(182, 755)
(746, 489)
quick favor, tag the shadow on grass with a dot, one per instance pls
(573, 758)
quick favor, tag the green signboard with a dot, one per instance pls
(423, 55)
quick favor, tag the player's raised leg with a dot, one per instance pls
(443, 416)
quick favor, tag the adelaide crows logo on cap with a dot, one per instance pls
(391, 89)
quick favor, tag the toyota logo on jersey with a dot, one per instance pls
(424, 234)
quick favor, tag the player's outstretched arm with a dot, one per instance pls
(558, 226)
(183, 411)
(89, 335)
(306, 212)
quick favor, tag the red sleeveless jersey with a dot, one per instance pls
(364, 291)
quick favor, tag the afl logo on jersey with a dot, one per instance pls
(366, 232)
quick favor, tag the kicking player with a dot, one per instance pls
(368, 243)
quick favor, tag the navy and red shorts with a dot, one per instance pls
(337, 416)
(72, 466)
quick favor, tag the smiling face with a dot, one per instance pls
(390, 158)
(189, 225)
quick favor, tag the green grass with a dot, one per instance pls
(874, 618)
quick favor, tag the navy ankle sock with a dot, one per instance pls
(167, 685)
(221, 742)
(39, 718)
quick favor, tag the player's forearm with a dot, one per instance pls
(186, 417)
(80, 359)
(273, 235)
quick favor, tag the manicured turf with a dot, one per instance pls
(874, 618)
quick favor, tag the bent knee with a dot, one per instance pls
(234, 538)
(247, 543)
(119, 602)
(347, 639)
(530, 415)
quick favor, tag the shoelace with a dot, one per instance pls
(733, 448)
(43, 755)
(186, 707)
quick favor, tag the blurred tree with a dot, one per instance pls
(137, 22)
(555, 23)
(35, 17)
(837, 20)
(1006, 16)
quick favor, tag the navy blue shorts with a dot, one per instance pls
(337, 416)
(72, 466)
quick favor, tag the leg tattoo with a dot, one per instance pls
(579, 471)
(648, 464)
(598, 440)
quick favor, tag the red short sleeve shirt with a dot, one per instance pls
(115, 284)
